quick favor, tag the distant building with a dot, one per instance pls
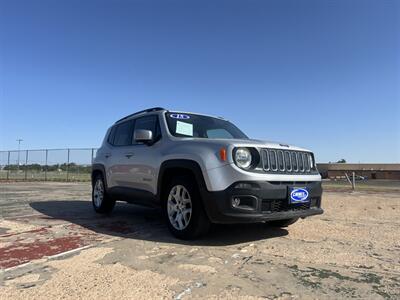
(372, 171)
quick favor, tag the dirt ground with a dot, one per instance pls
(53, 246)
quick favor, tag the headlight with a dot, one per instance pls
(243, 158)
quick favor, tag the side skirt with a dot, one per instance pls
(134, 196)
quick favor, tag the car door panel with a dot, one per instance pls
(118, 166)
(143, 164)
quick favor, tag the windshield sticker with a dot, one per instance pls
(184, 128)
(179, 116)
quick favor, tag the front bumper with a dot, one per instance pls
(261, 201)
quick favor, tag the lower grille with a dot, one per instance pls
(280, 205)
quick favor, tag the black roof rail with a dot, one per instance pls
(140, 112)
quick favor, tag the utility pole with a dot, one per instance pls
(19, 148)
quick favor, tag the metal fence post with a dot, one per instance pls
(8, 165)
(92, 155)
(26, 164)
(45, 170)
(68, 165)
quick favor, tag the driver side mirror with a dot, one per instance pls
(143, 136)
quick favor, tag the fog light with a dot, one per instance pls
(246, 202)
(235, 201)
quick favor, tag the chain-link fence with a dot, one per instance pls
(47, 164)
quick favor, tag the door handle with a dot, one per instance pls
(107, 155)
(129, 155)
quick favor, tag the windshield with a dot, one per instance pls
(191, 125)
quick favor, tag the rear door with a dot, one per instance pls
(118, 161)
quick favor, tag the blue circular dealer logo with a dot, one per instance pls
(299, 195)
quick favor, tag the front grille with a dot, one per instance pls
(287, 161)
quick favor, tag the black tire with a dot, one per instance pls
(198, 224)
(282, 223)
(106, 205)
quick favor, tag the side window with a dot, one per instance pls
(149, 123)
(110, 138)
(123, 134)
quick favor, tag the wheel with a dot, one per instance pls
(102, 203)
(282, 223)
(183, 209)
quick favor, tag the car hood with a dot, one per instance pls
(248, 143)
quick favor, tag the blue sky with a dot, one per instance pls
(324, 75)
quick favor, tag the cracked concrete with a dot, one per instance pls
(350, 251)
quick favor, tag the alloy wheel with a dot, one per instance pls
(179, 207)
(98, 193)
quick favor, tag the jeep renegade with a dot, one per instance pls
(200, 170)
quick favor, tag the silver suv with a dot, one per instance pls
(200, 170)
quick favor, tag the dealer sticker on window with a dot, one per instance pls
(184, 128)
(179, 116)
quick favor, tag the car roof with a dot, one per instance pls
(160, 109)
(148, 110)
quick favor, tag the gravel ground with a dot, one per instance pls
(351, 251)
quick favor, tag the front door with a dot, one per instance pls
(145, 159)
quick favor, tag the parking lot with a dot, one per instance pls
(52, 245)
